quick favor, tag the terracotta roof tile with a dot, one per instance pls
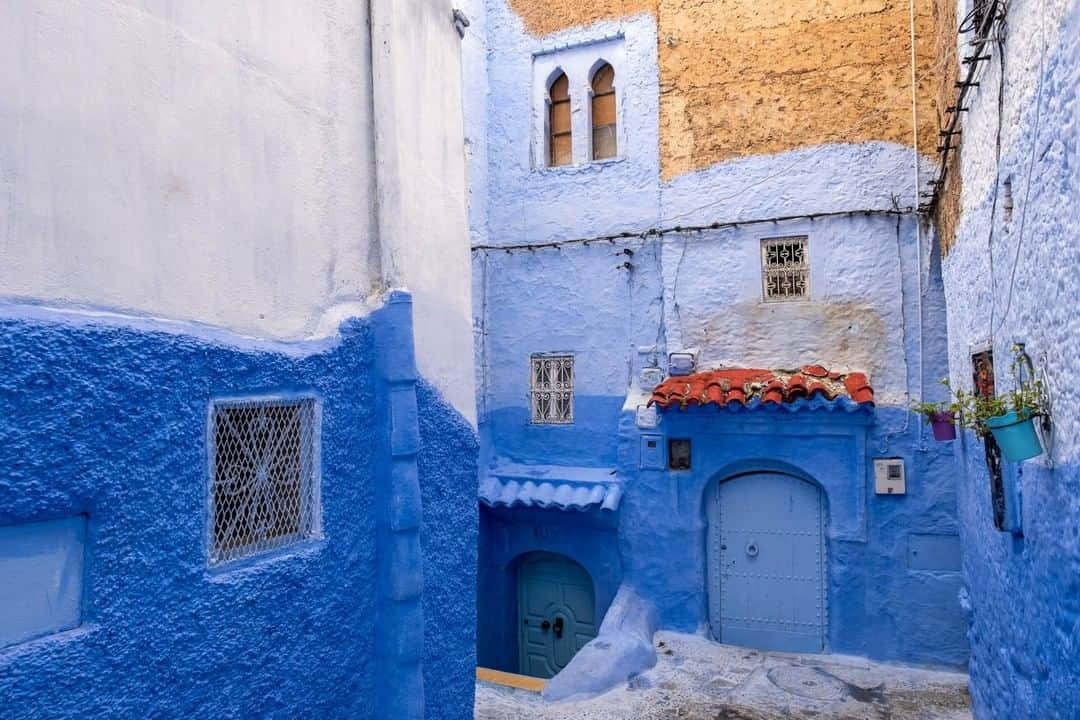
(744, 386)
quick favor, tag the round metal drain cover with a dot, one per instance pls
(807, 682)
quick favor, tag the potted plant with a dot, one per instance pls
(1013, 422)
(943, 415)
(1011, 418)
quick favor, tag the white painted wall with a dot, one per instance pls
(205, 161)
(420, 157)
(218, 162)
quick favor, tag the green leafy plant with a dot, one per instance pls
(955, 403)
(1027, 399)
(971, 410)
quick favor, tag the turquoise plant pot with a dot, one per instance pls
(1015, 435)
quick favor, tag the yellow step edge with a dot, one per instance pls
(522, 682)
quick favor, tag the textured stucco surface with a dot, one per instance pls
(755, 77)
(876, 306)
(702, 290)
(749, 78)
(420, 161)
(876, 604)
(112, 423)
(255, 166)
(526, 202)
(544, 18)
(449, 537)
(1019, 283)
(506, 535)
(107, 418)
(207, 162)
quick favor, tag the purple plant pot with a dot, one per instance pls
(944, 426)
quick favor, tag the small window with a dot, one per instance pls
(560, 143)
(263, 476)
(678, 454)
(604, 136)
(551, 389)
(785, 269)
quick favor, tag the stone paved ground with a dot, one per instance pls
(695, 679)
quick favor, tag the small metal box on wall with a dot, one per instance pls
(652, 453)
(889, 476)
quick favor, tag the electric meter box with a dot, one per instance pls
(652, 453)
(889, 476)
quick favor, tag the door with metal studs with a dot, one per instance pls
(556, 613)
(766, 563)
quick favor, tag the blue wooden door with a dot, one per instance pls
(556, 613)
(766, 563)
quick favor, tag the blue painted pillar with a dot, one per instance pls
(399, 633)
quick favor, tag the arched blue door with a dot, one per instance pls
(766, 563)
(556, 613)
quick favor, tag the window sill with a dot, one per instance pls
(577, 168)
(299, 551)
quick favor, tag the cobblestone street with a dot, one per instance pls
(695, 679)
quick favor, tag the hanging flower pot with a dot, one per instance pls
(1015, 435)
(944, 426)
(942, 416)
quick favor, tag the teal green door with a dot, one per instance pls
(556, 613)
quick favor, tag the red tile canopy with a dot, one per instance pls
(742, 386)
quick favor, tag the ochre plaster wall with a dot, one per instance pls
(543, 17)
(946, 71)
(752, 77)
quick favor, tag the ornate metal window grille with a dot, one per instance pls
(263, 491)
(551, 389)
(785, 269)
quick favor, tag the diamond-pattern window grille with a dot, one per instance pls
(264, 490)
(785, 269)
(551, 389)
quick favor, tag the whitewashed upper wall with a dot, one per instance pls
(250, 165)
(420, 157)
(206, 161)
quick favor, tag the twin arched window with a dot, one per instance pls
(560, 134)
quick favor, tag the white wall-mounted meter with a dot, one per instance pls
(889, 476)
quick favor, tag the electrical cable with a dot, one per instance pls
(684, 229)
(920, 442)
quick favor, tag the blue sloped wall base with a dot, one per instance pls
(107, 419)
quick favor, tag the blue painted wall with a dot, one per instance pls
(107, 418)
(589, 537)
(449, 538)
(877, 605)
(876, 306)
(1013, 277)
(575, 300)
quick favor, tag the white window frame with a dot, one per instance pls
(546, 388)
(791, 269)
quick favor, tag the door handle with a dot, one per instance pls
(558, 627)
(545, 625)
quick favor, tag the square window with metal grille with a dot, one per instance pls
(551, 389)
(264, 474)
(785, 269)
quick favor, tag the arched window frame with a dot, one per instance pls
(597, 68)
(552, 135)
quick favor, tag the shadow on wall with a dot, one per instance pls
(535, 566)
